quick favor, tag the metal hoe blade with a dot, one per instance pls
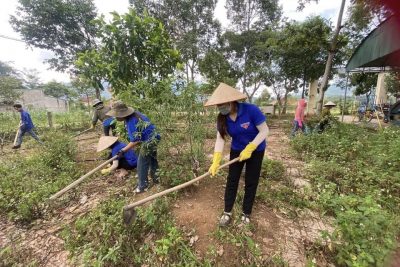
(129, 216)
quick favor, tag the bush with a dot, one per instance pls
(26, 183)
(273, 169)
(355, 178)
(100, 238)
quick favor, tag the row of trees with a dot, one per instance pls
(158, 38)
(13, 81)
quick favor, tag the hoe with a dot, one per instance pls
(129, 212)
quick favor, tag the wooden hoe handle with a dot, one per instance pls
(175, 188)
(74, 184)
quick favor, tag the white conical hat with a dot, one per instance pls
(106, 142)
(330, 104)
(224, 94)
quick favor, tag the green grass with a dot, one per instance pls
(355, 178)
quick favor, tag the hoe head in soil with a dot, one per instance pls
(129, 216)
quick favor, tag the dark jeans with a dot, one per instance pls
(146, 162)
(296, 127)
(106, 130)
(252, 176)
(22, 132)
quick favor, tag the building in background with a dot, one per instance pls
(36, 99)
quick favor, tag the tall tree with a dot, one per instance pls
(331, 53)
(57, 90)
(83, 87)
(31, 79)
(10, 83)
(216, 68)
(190, 23)
(133, 48)
(62, 26)
(245, 45)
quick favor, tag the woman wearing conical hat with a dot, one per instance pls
(246, 125)
(127, 161)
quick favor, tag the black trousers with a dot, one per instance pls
(252, 176)
(107, 129)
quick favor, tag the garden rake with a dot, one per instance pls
(129, 212)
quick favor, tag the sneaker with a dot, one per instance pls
(245, 219)
(225, 219)
(138, 190)
(16, 147)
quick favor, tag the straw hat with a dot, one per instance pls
(96, 102)
(330, 104)
(105, 142)
(120, 110)
(224, 94)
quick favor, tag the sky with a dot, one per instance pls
(23, 57)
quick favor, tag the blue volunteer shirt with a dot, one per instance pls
(136, 134)
(27, 123)
(128, 155)
(108, 121)
(244, 129)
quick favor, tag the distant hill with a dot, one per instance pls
(332, 91)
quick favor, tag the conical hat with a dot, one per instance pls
(106, 142)
(224, 94)
(330, 104)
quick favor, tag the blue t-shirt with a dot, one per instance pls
(140, 130)
(128, 155)
(108, 121)
(244, 129)
(27, 123)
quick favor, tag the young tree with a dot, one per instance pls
(62, 26)
(392, 82)
(133, 48)
(364, 83)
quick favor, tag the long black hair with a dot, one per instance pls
(221, 121)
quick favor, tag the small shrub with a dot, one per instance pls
(273, 169)
(100, 238)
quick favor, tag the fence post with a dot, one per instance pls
(50, 119)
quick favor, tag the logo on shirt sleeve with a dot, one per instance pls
(245, 125)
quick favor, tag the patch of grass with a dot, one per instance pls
(355, 178)
(28, 180)
(100, 238)
(273, 169)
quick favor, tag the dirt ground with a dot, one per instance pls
(196, 210)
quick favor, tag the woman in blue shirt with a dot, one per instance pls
(127, 161)
(246, 125)
(140, 132)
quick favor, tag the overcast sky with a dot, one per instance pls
(32, 58)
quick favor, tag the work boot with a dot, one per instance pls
(16, 147)
(225, 219)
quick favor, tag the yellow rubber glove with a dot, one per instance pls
(106, 171)
(216, 163)
(246, 153)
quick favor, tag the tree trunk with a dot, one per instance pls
(328, 66)
(285, 102)
(98, 96)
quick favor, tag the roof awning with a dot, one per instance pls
(381, 48)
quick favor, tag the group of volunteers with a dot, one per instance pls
(243, 122)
